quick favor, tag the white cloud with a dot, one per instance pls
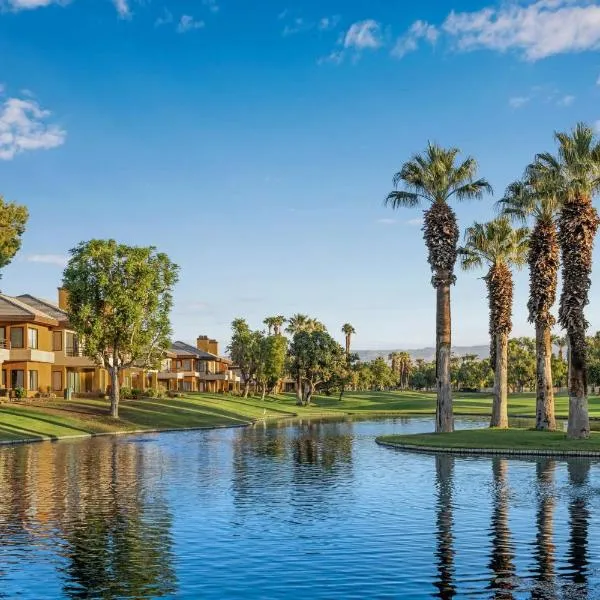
(2, 88)
(420, 30)
(327, 23)
(538, 30)
(386, 221)
(415, 222)
(364, 35)
(334, 58)
(31, 4)
(211, 5)
(518, 101)
(23, 127)
(122, 7)
(187, 23)
(60, 260)
(297, 25)
(566, 100)
(167, 17)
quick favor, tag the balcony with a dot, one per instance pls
(4, 350)
(73, 356)
(31, 355)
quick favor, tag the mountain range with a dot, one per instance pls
(424, 353)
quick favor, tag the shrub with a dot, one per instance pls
(20, 392)
(126, 393)
(136, 393)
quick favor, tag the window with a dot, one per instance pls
(72, 345)
(57, 340)
(16, 337)
(57, 385)
(17, 378)
(32, 338)
(187, 365)
(187, 386)
(33, 380)
(3, 337)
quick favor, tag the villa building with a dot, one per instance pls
(197, 368)
(41, 353)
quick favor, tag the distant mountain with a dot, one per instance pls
(425, 353)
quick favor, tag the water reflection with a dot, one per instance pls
(544, 551)
(112, 533)
(444, 471)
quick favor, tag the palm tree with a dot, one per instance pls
(579, 164)
(274, 324)
(500, 247)
(434, 178)
(406, 367)
(348, 331)
(537, 197)
(561, 342)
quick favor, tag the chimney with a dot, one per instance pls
(202, 343)
(213, 347)
(63, 299)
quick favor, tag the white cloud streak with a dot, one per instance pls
(537, 30)
(59, 260)
(518, 101)
(31, 4)
(123, 9)
(188, 23)
(364, 35)
(420, 30)
(24, 127)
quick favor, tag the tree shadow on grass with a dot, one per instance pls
(37, 417)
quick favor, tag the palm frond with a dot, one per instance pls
(400, 199)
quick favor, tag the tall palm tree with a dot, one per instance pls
(498, 246)
(278, 322)
(406, 366)
(434, 178)
(579, 163)
(348, 331)
(269, 322)
(537, 196)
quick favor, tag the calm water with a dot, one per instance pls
(313, 510)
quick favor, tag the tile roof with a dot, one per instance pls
(12, 309)
(45, 306)
(182, 348)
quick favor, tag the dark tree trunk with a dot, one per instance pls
(579, 419)
(444, 421)
(299, 394)
(544, 413)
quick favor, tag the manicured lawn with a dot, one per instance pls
(497, 439)
(57, 418)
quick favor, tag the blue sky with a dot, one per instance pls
(254, 143)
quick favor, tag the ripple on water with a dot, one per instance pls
(298, 509)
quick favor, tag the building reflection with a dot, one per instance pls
(444, 473)
(94, 505)
(545, 584)
(501, 564)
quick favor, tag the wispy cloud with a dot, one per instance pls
(24, 126)
(123, 9)
(60, 260)
(296, 26)
(188, 23)
(386, 221)
(540, 29)
(566, 100)
(409, 42)
(212, 5)
(327, 23)
(415, 222)
(165, 19)
(518, 101)
(361, 36)
(31, 4)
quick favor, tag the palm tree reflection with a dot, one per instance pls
(444, 471)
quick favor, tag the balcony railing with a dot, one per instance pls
(74, 352)
(5, 344)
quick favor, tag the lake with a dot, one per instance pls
(297, 509)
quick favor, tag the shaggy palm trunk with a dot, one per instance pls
(543, 259)
(444, 418)
(544, 413)
(500, 404)
(441, 237)
(577, 228)
(114, 392)
(445, 553)
(545, 549)
(500, 293)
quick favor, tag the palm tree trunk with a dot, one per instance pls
(444, 421)
(579, 419)
(544, 413)
(500, 402)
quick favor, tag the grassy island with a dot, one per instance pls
(496, 441)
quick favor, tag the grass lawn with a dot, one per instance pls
(57, 418)
(497, 439)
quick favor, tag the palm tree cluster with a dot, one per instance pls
(554, 195)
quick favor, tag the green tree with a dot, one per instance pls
(272, 362)
(274, 324)
(559, 371)
(315, 357)
(13, 219)
(521, 363)
(537, 197)
(120, 299)
(245, 351)
(434, 178)
(383, 376)
(498, 246)
(578, 163)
